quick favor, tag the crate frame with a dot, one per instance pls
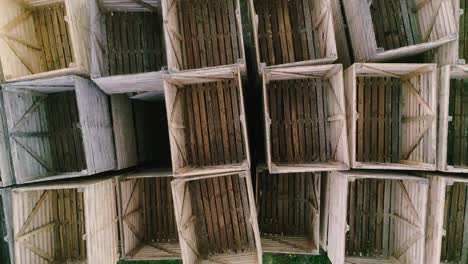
(334, 74)
(363, 38)
(95, 130)
(404, 72)
(103, 223)
(446, 73)
(174, 38)
(436, 214)
(177, 128)
(133, 245)
(337, 190)
(293, 244)
(100, 73)
(183, 223)
(77, 19)
(326, 29)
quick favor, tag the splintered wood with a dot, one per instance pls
(215, 132)
(135, 42)
(209, 33)
(289, 212)
(299, 127)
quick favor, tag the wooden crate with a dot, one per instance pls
(207, 129)
(288, 211)
(65, 223)
(56, 128)
(376, 217)
(407, 28)
(127, 43)
(447, 218)
(392, 112)
(203, 33)
(297, 32)
(216, 219)
(140, 131)
(148, 228)
(304, 135)
(452, 138)
(44, 38)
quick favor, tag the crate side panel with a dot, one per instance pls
(134, 230)
(78, 14)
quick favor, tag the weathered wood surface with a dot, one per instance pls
(298, 31)
(457, 148)
(289, 212)
(216, 219)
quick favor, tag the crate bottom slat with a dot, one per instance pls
(289, 245)
(159, 251)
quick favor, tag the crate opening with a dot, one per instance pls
(457, 140)
(399, 27)
(36, 39)
(135, 42)
(151, 130)
(148, 220)
(294, 31)
(50, 224)
(455, 222)
(206, 125)
(305, 119)
(45, 131)
(386, 219)
(215, 219)
(463, 32)
(289, 212)
(203, 33)
(395, 120)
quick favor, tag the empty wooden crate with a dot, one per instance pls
(447, 218)
(148, 228)
(376, 217)
(305, 119)
(65, 223)
(392, 115)
(56, 128)
(216, 219)
(44, 38)
(207, 130)
(127, 43)
(288, 211)
(453, 114)
(407, 28)
(202, 34)
(293, 32)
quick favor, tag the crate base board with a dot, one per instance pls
(51, 74)
(156, 251)
(412, 50)
(292, 168)
(132, 83)
(454, 169)
(288, 245)
(356, 260)
(393, 166)
(328, 60)
(244, 258)
(199, 171)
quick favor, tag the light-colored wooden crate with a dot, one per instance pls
(288, 33)
(148, 229)
(447, 230)
(65, 222)
(188, 43)
(305, 119)
(452, 140)
(127, 46)
(206, 116)
(434, 18)
(55, 128)
(399, 218)
(217, 219)
(398, 101)
(44, 38)
(288, 208)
